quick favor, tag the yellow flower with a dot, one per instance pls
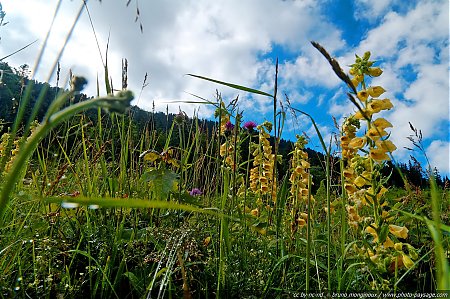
(375, 133)
(360, 114)
(360, 181)
(301, 222)
(375, 91)
(398, 231)
(357, 142)
(304, 192)
(350, 188)
(357, 79)
(376, 105)
(379, 155)
(373, 232)
(375, 71)
(367, 175)
(255, 212)
(363, 95)
(398, 246)
(388, 243)
(407, 261)
(374, 257)
(381, 123)
(299, 170)
(386, 145)
(305, 164)
(223, 149)
(264, 188)
(349, 173)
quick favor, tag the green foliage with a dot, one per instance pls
(162, 181)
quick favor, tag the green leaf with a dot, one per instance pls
(162, 181)
(108, 202)
(136, 283)
(235, 86)
(383, 233)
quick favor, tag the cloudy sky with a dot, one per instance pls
(238, 41)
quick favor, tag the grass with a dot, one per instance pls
(88, 210)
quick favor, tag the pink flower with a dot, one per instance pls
(195, 192)
(229, 126)
(250, 126)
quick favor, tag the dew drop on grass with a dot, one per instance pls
(17, 288)
(70, 205)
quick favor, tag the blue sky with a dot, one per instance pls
(238, 42)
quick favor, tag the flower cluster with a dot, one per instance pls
(299, 180)
(262, 180)
(363, 156)
(15, 146)
(227, 149)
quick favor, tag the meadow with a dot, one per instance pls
(100, 208)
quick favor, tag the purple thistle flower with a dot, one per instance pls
(195, 192)
(250, 125)
(229, 126)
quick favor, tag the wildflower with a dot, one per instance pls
(229, 126)
(255, 212)
(374, 133)
(398, 246)
(363, 95)
(349, 173)
(350, 188)
(362, 114)
(388, 243)
(386, 145)
(407, 261)
(398, 231)
(375, 91)
(357, 79)
(378, 155)
(360, 181)
(376, 105)
(381, 123)
(394, 260)
(207, 241)
(195, 192)
(375, 71)
(357, 142)
(371, 230)
(301, 222)
(250, 126)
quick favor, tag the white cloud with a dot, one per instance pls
(222, 40)
(412, 48)
(439, 154)
(370, 10)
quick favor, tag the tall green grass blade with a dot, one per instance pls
(128, 203)
(235, 86)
